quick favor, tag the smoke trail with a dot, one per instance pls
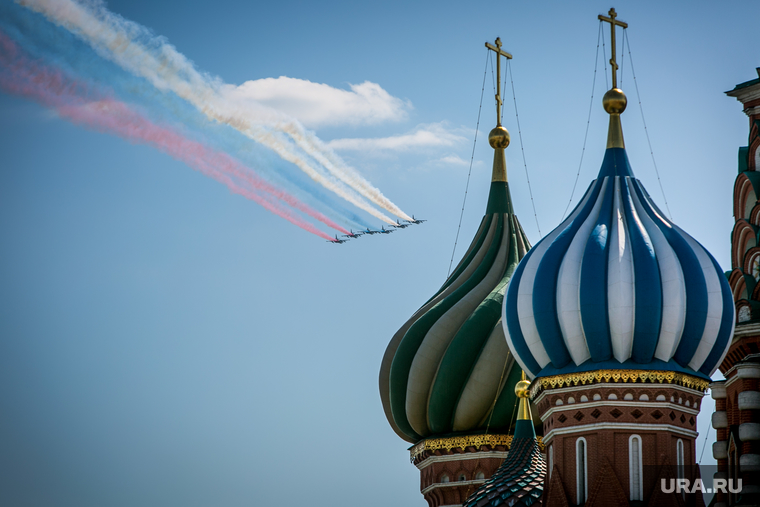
(117, 40)
(54, 44)
(67, 96)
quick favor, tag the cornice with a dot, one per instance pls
(606, 403)
(636, 428)
(617, 377)
(461, 457)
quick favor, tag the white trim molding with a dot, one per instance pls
(461, 457)
(437, 485)
(635, 468)
(581, 494)
(632, 427)
(640, 404)
(612, 385)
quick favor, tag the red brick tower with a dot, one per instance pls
(737, 399)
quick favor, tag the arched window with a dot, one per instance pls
(635, 468)
(462, 477)
(581, 480)
(480, 476)
(445, 478)
(551, 460)
(679, 461)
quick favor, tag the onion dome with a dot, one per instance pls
(445, 370)
(519, 481)
(618, 285)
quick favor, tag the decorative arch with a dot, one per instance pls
(743, 238)
(746, 189)
(743, 311)
(738, 284)
(754, 215)
(751, 263)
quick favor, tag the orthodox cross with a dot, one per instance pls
(499, 54)
(612, 21)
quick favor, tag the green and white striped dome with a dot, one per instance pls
(446, 369)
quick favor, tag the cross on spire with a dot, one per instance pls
(499, 54)
(612, 21)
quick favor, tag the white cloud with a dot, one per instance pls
(423, 136)
(317, 104)
(453, 160)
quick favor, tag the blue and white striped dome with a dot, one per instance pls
(617, 285)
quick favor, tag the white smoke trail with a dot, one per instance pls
(121, 41)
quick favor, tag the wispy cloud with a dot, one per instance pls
(317, 104)
(453, 160)
(423, 136)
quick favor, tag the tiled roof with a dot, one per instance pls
(519, 481)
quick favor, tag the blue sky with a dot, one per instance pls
(165, 342)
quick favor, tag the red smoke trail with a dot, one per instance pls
(81, 104)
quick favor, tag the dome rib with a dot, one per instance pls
(545, 287)
(464, 350)
(696, 288)
(593, 282)
(648, 314)
(410, 343)
(438, 337)
(528, 356)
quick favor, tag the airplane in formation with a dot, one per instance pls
(336, 240)
(398, 225)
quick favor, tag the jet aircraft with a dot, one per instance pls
(370, 232)
(415, 220)
(336, 240)
(399, 225)
(383, 230)
(353, 234)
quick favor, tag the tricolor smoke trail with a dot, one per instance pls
(86, 105)
(139, 52)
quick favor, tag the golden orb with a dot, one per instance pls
(521, 388)
(498, 138)
(614, 101)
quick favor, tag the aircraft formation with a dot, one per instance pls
(383, 230)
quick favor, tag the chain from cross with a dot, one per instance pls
(612, 21)
(499, 54)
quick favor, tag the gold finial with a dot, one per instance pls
(614, 100)
(498, 138)
(521, 390)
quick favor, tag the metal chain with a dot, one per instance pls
(472, 158)
(522, 149)
(641, 109)
(588, 122)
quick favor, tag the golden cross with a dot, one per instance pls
(499, 54)
(612, 21)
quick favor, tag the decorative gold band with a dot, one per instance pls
(434, 444)
(599, 376)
